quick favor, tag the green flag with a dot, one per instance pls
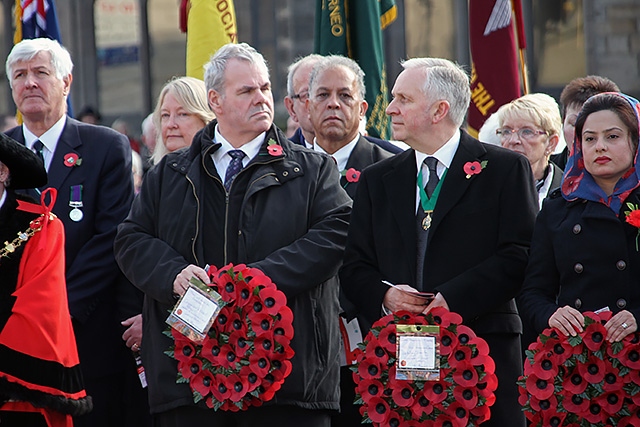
(353, 28)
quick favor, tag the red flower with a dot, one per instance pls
(253, 381)
(191, 368)
(370, 388)
(202, 382)
(633, 218)
(593, 370)
(274, 149)
(444, 318)
(448, 341)
(262, 324)
(403, 394)
(211, 350)
(375, 350)
(436, 392)
(595, 414)
(272, 300)
(227, 357)
(541, 389)
(459, 413)
(575, 383)
(613, 381)
(467, 397)
(370, 368)
(460, 356)
(611, 402)
(352, 175)
(185, 350)
(72, 159)
(378, 410)
(387, 339)
(465, 375)
(574, 403)
(594, 336)
(259, 363)
(238, 387)
(421, 406)
(544, 366)
(553, 417)
(220, 391)
(630, 357)
(239, 342)
(472, 168)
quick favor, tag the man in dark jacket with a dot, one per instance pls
(228, 199)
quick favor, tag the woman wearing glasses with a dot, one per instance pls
(531, 125)
(584, 255)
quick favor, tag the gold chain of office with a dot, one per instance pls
(23, 237)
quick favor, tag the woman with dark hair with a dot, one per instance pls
(584, 255)
(40, 379)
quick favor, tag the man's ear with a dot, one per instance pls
(214, 101)
(440, 111)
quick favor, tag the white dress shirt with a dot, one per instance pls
(49, 139)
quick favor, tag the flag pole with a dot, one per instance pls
(518, 22)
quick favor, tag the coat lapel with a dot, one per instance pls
(400, 188)
(68, 143)
(456, 182)
(359, 159)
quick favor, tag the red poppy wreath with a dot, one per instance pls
(461, 397)
(246, 356)
(582, 380)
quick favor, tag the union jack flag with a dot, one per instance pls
(36, 18)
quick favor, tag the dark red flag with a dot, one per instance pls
(495, 78)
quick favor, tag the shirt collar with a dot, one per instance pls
(49, 139)
(250, 149)
(342, 155)
(4, 197)
(444, 154)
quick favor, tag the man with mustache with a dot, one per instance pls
(242, 193)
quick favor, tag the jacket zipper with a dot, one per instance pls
(195, 238)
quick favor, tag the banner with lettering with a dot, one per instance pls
(354, 29)
(495, 79)
(210, 24)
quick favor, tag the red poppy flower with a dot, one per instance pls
(445, 420)
(594, 336)
(370, 388)
(593, 370)
(553, 418)
(227, 357)
(459, 413)
(72, 159)
(444, 318)
(220, 390)
(261, 323)
(387, 339)
(544, 366)
(378, 410)
(272, 300)
(191, 368)
(227, 287)
(238, 387)
(488, 385)
(352, 175)
(436, 392)
(283, 324)
(594, 414)
(274, 149)
(421, 406)
(448, 342)
(395, 419)
(202, 382)
(466, 396)
(253, 381)
(611, 402)
(575, 383)
(541, 405)
(403, 394)
(210, 350)
(281, 368)
(374, 349)
(541, 389)
(472, 168)
(574, 403)
(240, 343)
(630, 357)
(632, 420)
(370, 368)
(184, 350)
(613, 381)
(571, 183)
(259, 363)
(460, 356)
(482, 413)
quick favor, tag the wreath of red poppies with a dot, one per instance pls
(246, 356)
(461, 397)
(582, 380)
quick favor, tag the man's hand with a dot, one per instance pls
(181, 283)
(133, 335)
(438, 301)
(396, 300)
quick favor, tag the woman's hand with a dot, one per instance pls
(181, 282)
(620, 325)
(567, 320)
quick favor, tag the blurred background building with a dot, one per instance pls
(125, 50)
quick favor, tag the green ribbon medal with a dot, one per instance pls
(429, 204)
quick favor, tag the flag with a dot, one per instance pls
(353, 28)
(495, 79)
(210, 24)
(37, 19)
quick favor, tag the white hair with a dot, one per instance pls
(27, 49)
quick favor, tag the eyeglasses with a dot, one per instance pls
(302, 96)
(505, 134)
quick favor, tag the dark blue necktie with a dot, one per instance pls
(37, 147)
(234, 168)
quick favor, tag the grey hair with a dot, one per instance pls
(311, 59)
(215, 68)
(27, 49)
(444, 80)
(192, 96)
(335, 61)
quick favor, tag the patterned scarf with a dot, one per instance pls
(577, 182)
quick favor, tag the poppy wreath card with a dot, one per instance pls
(461, 397)
(246, 355)
(582, 380)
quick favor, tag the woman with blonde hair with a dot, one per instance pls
(531, 125)
(181, 111)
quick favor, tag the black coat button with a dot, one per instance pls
(621, 303)
(621, 265)
(578, 268)
(577, 229)
(578, 303)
